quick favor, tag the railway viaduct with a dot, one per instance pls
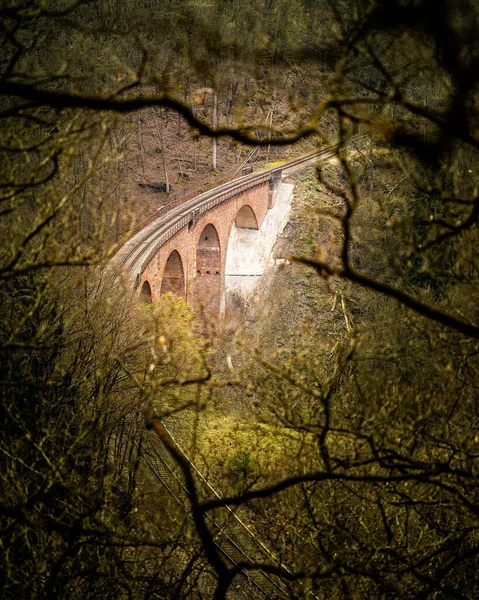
(192, 263)
(185, 251)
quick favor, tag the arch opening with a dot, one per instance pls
(145, 293)
(245, 218)
(208, 272)
(174, 276)
(208, 252)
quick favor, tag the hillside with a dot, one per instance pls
(324, 444)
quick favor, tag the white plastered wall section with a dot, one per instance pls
(249, 250)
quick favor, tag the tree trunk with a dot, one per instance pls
(163, 157)
(215, 125)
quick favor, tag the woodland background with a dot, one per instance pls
(346, 435)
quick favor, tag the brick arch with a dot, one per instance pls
(208, 251)
(208, 281)
(145, 293)
(173, 280)
(246, 218)
(203, 245)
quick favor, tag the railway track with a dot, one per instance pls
(233, 539)
(134, 256)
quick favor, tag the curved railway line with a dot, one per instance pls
(134, 256)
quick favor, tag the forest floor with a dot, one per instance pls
(143, 182)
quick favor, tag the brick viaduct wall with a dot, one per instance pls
(192, 263)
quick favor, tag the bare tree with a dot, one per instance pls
(375, 485)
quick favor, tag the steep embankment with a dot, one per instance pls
(291, 300)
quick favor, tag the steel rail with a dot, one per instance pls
(235, 553)
(147, 244)
(264, 549)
